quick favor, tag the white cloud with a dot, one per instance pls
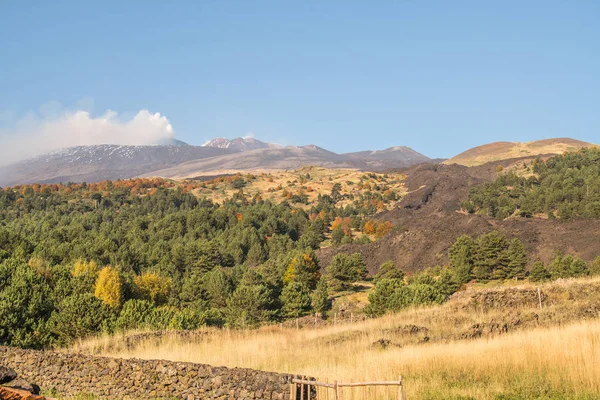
(54, 128)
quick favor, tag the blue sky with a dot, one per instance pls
(438, 76)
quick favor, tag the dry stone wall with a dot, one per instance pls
(108, 378)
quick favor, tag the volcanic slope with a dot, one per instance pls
(100, 162)
(429, 219)
(507, 150)
(293, 157)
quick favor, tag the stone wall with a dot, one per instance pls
(109, 378)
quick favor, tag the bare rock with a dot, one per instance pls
(22, 384)
(7, 374)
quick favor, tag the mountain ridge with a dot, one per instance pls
(497, 151)
(177, 159)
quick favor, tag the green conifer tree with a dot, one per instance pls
(538, 272)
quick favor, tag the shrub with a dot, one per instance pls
(134, 315)
(388, 271)
(160, 317)
(186, 319)
(78, 316)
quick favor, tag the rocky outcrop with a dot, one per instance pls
(19, 389)
(18, 394)
(7, 374)
(107, 378)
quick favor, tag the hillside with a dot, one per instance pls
(430, 218)
(292, 157)
(507, 150)
(302, 187)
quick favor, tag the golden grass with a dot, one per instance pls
(270, 184)
(544, 362)
(491, 152)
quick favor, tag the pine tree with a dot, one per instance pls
(538, 272)
(345, 269)
(320, 297)
(560, 266)
(461, 258)
(295, 300)
(490, 256)
(578, 267)
(337, 235)
(388, 271)
(517, 263)
(595, 266)
(247, 306)
(447, 283)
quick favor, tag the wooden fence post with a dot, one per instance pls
(400, 389)
(335, 390)
(293, 389)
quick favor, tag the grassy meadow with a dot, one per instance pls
(464, 349)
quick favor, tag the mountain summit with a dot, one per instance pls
(240, 144)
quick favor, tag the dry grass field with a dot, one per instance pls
(485, 343)
(279, 185)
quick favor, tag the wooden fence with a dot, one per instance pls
(302, 389)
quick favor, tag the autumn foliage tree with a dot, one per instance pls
(304, 268)
(109, 287)
(153, 287)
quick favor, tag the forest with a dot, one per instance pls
(564, 186)
(78, 259)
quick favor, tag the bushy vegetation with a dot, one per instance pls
(565, 186)
(79, 259)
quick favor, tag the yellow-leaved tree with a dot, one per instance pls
(153, 286)
(304, 268)
(109, 286)
(85, 268)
